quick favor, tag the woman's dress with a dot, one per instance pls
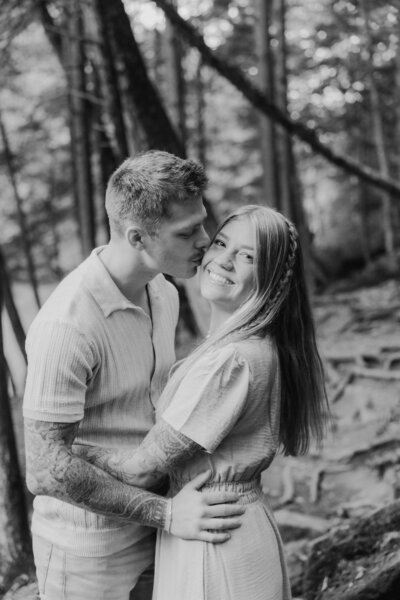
(229, 404)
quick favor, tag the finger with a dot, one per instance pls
(198, 481)
(220, 497)
(224, 510)
(220, 525)
(214, 537)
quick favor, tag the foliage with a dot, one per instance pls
(327, 63)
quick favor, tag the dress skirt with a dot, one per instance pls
(249, 566)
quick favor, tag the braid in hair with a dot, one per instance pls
(286, 278)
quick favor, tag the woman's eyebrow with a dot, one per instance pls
(226, 237)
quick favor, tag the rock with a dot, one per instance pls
(360, 561)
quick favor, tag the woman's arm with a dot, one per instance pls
(160, 452)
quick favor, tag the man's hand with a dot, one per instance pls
(205, 516)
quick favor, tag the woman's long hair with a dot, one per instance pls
(277, 306)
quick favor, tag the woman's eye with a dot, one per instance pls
(219, 242)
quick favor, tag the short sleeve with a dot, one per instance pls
(58, 371)
(211, 397)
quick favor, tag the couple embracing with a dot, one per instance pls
(121, 449)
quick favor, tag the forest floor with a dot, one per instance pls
(357, 469)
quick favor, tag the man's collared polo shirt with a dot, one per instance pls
(95, 357)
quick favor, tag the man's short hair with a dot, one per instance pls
(145, 186)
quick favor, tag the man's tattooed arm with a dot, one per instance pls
(53, 470)
(160, 452)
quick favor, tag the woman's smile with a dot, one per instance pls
(219, 279)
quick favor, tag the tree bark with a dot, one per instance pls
(54, 249)
(290, 186)
(175, 80)
(25, 237)
(11, 307)
(201, 138)
(102, 56)
(270, 195)
(15, 545)
(260, 101)
(377, 127)
(80, 123)
(148, 107)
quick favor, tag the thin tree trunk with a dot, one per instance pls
(175, 80)
(262, 103)
(201, 138)
(285, 141)
(377, 127)
(291, 192)
(105, 71)
(270, 188)
(25, 237)
(157, 62)
(80, 125)
(148, 107)
(364, 228)
(396, 208)
(15, 545)
(11, 307)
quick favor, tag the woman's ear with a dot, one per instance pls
(134, 236)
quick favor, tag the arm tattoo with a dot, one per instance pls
(53, 470)
(161, 451)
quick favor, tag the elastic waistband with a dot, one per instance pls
(248, 491)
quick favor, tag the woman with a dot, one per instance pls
(255, 385)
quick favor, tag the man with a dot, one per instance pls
(99, 353)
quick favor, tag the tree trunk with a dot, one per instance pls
(290, 186)
(266, 81)
(15, 545)
(377, 127)
(175, 80)
(81, 151)
(201, 138)
(262, 103)
(11, 307)
(102, 56)
(396, 208)
(25, 236)
(148, 107)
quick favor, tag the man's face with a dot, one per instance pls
(180, 242)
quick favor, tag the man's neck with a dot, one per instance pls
(129, 276)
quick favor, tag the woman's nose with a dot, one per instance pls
(225, 261)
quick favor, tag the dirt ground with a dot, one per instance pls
(357, 470)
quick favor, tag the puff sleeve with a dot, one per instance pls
(211, 397)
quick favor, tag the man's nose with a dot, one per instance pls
(203, 240)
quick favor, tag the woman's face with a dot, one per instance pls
(227, 270)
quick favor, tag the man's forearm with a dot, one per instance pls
(53, 470)
(161, 451)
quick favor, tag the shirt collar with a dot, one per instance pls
(105, 291)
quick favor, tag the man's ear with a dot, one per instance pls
(135, 235)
